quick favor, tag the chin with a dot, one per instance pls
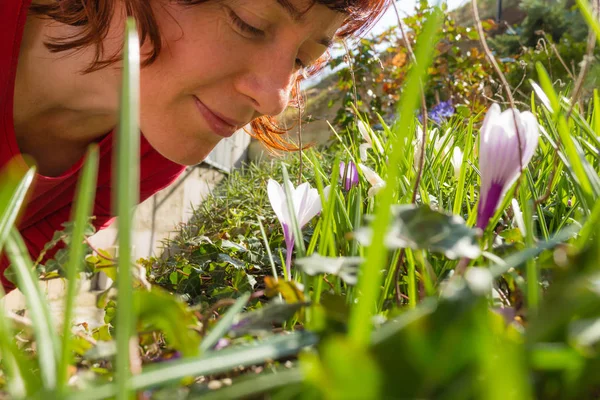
(183, 151)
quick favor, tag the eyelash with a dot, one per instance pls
(243, 26)
(249, 29)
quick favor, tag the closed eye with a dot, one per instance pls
(248, 29)
(244, 26)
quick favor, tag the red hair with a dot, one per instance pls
(94, 16)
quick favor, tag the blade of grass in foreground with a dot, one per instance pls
(12, 196)
(596, 120)
(224, 324)
(45, 338)
(86, 192)
(588, 184)
(368, 286)
(273, 348)
(20, 379)
(588, 15)
(18, 368)
(126, 181)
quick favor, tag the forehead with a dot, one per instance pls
(297, 10)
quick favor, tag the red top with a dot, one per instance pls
(50, 199)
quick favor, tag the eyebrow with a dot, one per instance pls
(297, 15)
(291, 9)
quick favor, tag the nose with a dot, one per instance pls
(268, 83)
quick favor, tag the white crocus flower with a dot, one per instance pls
(372, 141)
(307, 204)
(375, 180)
(456, 160)
(499, 162)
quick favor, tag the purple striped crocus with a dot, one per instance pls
(307, 204)
(499, 155)
(348, 175)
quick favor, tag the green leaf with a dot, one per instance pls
(344, 267)
(420, 227)
(261, 321)
(343, 371)
(160, 310)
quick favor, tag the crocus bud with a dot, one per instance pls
(499, 162)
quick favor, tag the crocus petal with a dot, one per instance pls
(301, 198)
(311, 207)
(326, 191)
(306, 204)
(362, 149)
(375, 189)
(456, 160)
(499, 162)
(362, 128)
(348, 175)
(277, 199)
(375, 180)
(369, 137)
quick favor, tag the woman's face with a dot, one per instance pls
(224, 63)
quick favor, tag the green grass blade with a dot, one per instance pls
(533, 286)
(18, 369)
(459, 198)
(12, 196)
(216, 362)
(589, 17)
(574, 156)
(86, 192)
(596, 117)
(517, 259)
(126, 181)
(590, 227)
(221, 328)
(368, 285)
(45, 337)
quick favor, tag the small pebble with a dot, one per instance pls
(214, 385)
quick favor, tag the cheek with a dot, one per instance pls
(197, 55)
(193, 61)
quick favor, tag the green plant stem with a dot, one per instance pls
(126, 181)
(412, 279)
(81, 213)
(533, 295)
(368, 285)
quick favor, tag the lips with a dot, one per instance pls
(219, 124)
